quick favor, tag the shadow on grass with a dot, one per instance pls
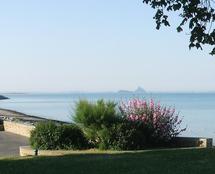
(149, 162)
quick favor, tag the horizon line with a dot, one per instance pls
(85, 92)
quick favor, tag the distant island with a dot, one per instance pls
(139, 90)
(3, 97)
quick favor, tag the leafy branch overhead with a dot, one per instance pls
(199, 15)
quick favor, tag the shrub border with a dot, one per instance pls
(28, 151)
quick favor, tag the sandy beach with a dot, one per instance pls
(11, 115)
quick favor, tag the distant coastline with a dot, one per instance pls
(3, 97)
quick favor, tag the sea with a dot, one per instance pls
(196, 109)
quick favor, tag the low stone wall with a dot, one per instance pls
(193, 142)
(28, 151)
(180, 143)
(18, 128)
(1, 127)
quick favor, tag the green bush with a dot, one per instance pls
(72, 137)
(138, 125)
(125, 135)
(95, 119)
(108, 129)
(50, 136)
(45, 136)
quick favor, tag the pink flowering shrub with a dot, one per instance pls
(140, 124)
(162, 123)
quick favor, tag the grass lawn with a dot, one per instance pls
(196, 161)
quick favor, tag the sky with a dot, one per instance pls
(95, 46)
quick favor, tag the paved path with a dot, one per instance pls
(9, 143)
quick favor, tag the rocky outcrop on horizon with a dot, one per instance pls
(138, 90)
(3, 97)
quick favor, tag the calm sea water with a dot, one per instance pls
(197, 109)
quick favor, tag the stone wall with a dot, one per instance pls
(1, 127)
(193, 142)
(28, 151)
(18, 128)
(181, 143)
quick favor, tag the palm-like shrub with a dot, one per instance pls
(139, 124)
(95, 118)
(134, 125)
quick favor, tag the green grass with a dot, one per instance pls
(190, 161)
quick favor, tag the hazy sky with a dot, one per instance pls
(97, 45)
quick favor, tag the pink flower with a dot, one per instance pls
(151, 104)
(165, 121)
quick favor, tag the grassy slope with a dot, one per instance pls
(156, 162)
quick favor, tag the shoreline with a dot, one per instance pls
(12, 115)
(2, 97)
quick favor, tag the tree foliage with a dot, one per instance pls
(198, 15)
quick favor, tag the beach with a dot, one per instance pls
(11, 115)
